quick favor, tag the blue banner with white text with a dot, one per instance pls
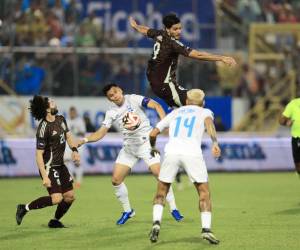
(197, 18)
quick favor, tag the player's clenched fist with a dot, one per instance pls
(216, 151)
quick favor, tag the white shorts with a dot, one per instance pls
(194, 166)
(130, 154)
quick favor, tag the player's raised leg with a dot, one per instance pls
(119, 173)
(205, 211)
(23, 209)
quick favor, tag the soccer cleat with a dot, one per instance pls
(208, 235)
(125, 216)
(55, 224)
(21, 211)
(176, 215)
(153, 235)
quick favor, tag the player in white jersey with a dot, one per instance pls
(77, 127)
(186, 126)
(128, 113)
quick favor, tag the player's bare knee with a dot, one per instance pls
(116, 181)
(204, 195)
(69, 198)
(56, 199)
(159, 199)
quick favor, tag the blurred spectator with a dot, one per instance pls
(58, 11)
(55, 26)
(92, 26)
(250, 85)
(85, 39)
(286, 14)
(219, 124)
(90, 128)
(249, 10)
(29, 79)
(22, 29)
(39, 29)
(69, 30)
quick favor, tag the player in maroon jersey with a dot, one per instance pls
(161, 69)
(51, 137)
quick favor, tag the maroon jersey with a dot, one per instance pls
(163, 63)
(51, 137)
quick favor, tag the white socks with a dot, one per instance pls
(157, 212)
(122, 195)
(171, 199)
(206, 219)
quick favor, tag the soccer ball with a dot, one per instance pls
(131, 121)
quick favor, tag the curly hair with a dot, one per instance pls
(38, 107)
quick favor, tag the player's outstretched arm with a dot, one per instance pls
(157, 107)
(201, 55)
(140, 28)
(211, 130)
(96, 136)
(41, 165)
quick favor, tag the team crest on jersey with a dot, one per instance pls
(54, 133)
(129, 109)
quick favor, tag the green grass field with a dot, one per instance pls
(250, 211)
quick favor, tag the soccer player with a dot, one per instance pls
(51, 137)
(161, 69)
(77, 127)
(128, 112)
(186, 126)
(291, 118)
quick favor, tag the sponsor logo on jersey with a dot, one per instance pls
(54, 133)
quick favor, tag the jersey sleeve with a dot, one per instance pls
(288, 110)
(180, 48)
(109, 119)
(66, 125)
(165, 122)
(41, 136)
(152, 33)
(141, 100)
(208, 113)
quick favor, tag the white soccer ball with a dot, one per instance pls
(131, 121)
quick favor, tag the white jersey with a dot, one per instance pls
(77, 126)
(186, 127)
(133, 103)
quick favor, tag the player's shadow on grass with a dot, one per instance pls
(290, 211)
(16, 234)
(191, 240)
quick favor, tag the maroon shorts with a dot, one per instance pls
(61, 180)
(172, 93)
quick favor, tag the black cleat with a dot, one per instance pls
(153, 235)
(209, 236)
(55, 224)
(21, 211)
